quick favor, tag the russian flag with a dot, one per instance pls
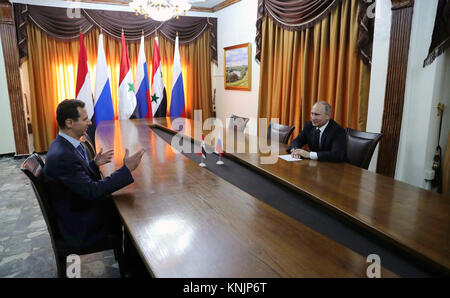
(177, 108)
(219, 146)
(83, 87)
(141, 85)
(127, 96)
(103, 107)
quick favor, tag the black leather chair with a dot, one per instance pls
(33, 168)
(238, 122)
(360, 147)
(86, 142)
(284, 132)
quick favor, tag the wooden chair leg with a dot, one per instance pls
(120, 260)
(61, 264)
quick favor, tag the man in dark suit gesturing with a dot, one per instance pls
(84, 212)
(326, 139)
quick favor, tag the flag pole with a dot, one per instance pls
(202, 164)
(219, 150)
(220, 162)
(202, 152)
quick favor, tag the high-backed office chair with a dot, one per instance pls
(33, 168)
(360, 147)
(238, 122)
(284, 131)
(86, 142)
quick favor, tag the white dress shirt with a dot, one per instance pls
(75, 143)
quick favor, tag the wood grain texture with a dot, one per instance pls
(402, 12)
(11, 58)
(188, 222)
(6, 12)
(414, 219)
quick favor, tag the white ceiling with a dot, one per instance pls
(205, 3)
(107, 4)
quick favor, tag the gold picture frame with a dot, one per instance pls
(237, 67)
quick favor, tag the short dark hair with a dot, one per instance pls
(68, 109)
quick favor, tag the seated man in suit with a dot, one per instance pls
(85, 214)
(326, 139)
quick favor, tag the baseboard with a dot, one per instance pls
(7, 154)
(21, 156)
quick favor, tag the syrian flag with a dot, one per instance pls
(127, 96)
(103, 107)
(202, 152)
(177, 108)
(142, 86)
(159, 99)
(83, 89)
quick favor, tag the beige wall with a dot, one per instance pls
(236, 25)
(425, 87)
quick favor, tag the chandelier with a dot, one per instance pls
(160, 10)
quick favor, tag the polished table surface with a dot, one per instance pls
(415, 219)
(412, 218)
(189, 222)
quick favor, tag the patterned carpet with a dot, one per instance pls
(25, 246)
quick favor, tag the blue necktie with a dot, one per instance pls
(81, 150)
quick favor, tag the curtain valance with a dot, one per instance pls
(65, 24)
(441, 33)
(298, 15)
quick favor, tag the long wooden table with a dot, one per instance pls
(414, 219)
(187, 222)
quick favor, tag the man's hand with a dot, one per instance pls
(300, 153)
(103, 158)
(132, 162)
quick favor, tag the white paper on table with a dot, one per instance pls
(288, 157)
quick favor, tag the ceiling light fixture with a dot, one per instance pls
(160, 10)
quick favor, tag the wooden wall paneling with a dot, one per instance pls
(11, 57)
(402, 12)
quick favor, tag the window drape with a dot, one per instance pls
(53, 64)
(299, 68)
(298, 15)
(441, 33)
(64, 24)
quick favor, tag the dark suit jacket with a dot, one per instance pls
(334, 141)
(78, 196)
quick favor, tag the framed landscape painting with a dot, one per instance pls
(237, 67)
